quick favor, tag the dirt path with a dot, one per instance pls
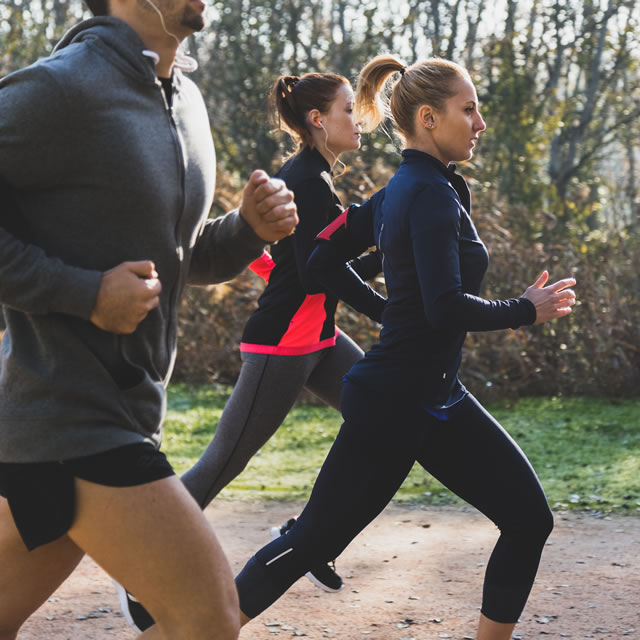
(414, 574)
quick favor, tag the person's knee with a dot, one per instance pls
(206, 608)
(534, 527)
(225, 626)
(546, 524)
(540, 523)
(218, 621)
(222, 617)
(227, 616)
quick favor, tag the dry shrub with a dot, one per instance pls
(595, 351)
(211, 323)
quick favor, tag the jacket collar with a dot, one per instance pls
(414, 154)
(116, 41)
(312, 155)
(458, 183)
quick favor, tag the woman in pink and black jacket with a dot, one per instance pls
(291, 341)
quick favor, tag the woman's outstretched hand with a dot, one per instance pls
(552, 301)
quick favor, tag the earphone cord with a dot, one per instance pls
(183, 61)
(326, 146)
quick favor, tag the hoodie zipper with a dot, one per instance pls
(173, 297)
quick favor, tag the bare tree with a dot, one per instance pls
(589, 120)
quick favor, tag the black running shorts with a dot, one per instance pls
(41, 495)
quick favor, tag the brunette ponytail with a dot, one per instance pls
(292, 97)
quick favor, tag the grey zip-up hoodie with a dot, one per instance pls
(101, 171)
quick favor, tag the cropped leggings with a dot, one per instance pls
(380, 439)
(266, 391)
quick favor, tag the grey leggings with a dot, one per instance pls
(266, 391)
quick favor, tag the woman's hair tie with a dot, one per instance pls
(289, 82)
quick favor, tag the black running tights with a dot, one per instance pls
(375, 449)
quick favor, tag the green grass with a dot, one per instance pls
(585, 450)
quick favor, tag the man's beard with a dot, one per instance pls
(192, 20)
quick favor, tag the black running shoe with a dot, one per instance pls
(135, 614)
(324, 576)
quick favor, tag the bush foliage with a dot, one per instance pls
(555, 176)
(596, 350)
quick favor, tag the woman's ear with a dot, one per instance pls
(315, 118)
(426, 117)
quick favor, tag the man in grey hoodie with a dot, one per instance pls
(105, 148)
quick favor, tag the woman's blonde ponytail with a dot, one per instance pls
(370, 106)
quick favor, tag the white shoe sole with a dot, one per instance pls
(275, 534)
(124, 605)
